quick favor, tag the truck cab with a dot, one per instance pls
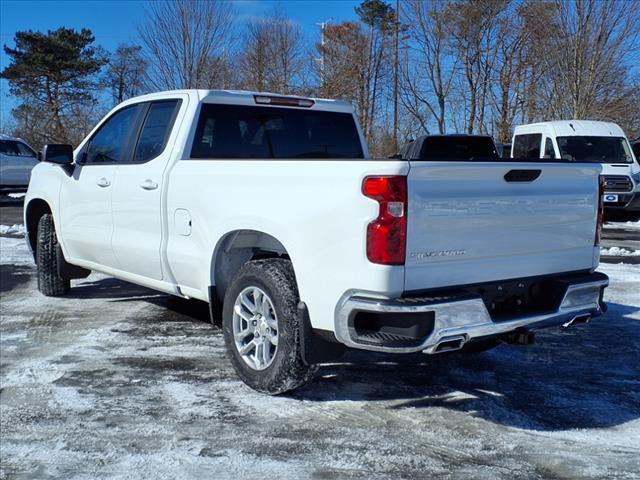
(586, 141)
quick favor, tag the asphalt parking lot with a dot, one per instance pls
(117, 381)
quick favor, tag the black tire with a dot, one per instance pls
(287, 371)
(49, 282)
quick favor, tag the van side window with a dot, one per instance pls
(549, 152)
(527, 146)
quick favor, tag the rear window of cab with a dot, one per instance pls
(237, 131)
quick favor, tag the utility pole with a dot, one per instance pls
(395, 79)
(322, 43)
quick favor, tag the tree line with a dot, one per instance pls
(409, 67)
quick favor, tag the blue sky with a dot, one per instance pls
(114, 21)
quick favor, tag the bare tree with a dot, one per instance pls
(126, 72)
(185, 42)
(513, 63)
(589, 49)
(426, 81)
(473, 32)
(380, 20)
(272, 55)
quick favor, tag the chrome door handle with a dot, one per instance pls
(103, 182)
(148, 185)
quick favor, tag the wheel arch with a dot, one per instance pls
(35, 209)
(235, 249)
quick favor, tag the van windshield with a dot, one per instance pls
(595, 149)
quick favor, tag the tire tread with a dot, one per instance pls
(50, 283)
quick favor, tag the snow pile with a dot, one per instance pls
(15, 229)
(17, 195)
(619, 252)
(623, 225)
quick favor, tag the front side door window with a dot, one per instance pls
(109, 144)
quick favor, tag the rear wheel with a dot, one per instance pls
(260, 325)
(49, 281)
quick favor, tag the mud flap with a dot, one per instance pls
(215, 308)
(316, 346)
(68, 271)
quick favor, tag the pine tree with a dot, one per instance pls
(54, 73)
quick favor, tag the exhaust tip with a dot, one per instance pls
(577, 320)
(450, 344)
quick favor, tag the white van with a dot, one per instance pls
(586, 141)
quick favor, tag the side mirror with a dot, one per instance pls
(58, 153)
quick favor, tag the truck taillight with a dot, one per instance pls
(387, 234)
(600, 217)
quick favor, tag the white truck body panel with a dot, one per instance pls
(86, 225)
(326, 228)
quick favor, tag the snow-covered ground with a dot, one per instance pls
(629, 225)
(619, 252)
(116, 381)
(14, 230)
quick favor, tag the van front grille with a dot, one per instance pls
(617, 183)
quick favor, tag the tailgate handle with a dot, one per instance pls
(522, 175)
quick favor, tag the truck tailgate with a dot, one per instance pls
(468, 224)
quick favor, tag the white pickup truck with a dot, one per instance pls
(269, 208)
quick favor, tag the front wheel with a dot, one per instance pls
(260, 326)
(49, 281)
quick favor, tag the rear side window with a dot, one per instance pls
(458, 148)
(527, 146)
(155, 130)
(235, 131)
(549, 151)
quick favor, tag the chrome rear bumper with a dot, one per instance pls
(459, 320)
